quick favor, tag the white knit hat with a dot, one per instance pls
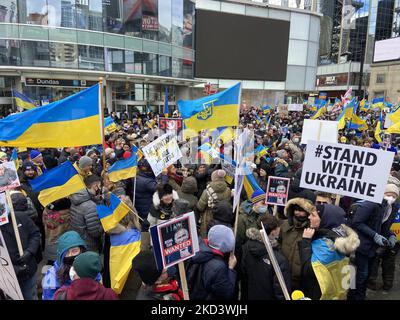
(392, 188)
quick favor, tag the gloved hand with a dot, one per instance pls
(392, 240)
(21, 270)
(380, 240)
(145, 225)
(24, 259)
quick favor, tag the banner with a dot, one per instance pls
(277, 191)
(162, 152)
(319, 130)
(295, 107)
(8, 176)
(4, 210)
(9, 286)
(347, 170)
(174, 241)
(171, 125)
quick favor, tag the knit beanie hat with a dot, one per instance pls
(34, 154)
(3, 155)
(281, 153)
(145, 264)
(218, 175)
(221, 238)
(257, 196)
(392, 188)
(84, 162)
(28, 165)
(87, 265)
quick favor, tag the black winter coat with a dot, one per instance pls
(30, 239)
(146, 185)
(262, 282)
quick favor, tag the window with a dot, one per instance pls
(132, 17)
(95, 15)
(380, 78)
(115, 60)
(177, 68)
(9, 52)
(112, 16)
(150, 22)
(165, 66)
(91, 58)
(177, 22)
(8, 11)
(35, 12)
(129, 61)
(63, 55)
(35, 53)
(164, 16)
(150, 63)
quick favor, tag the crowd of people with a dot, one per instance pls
(66, 238)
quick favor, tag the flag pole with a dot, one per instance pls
(14, 223)
(102, 122)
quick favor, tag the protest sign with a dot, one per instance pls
(162, 152)
(347, 170)
(8, 280)
(4, 211)
(319, 130)
(171, 125)
(8, 176)
(277, 191)
(229, 168)
(295, 107)
(395, 228)
(175, 241)
(283, 109)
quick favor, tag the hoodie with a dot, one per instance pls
(85, 289)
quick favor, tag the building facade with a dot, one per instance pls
(52, 48)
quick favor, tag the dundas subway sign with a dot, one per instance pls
(357, 172)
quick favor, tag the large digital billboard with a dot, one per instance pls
(387, 50)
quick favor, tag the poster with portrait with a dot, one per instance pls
(277, 191)
(8, 176)
(4, 210)
(171, 125)
(175, 240)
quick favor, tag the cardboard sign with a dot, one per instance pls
(8, 176)
(4, 210)
(347, 170)
(295, 107)
(319, 130)
(162, 152)
(171, 125)
(175, 241)
(277, 191)
(8, 280)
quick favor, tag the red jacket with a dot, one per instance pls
(86, 289)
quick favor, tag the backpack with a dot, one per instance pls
(194, 276)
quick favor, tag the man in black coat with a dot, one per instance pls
(25, 266)
(372, 222)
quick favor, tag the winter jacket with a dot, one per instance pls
(175, 181)
(215, 191)
(297, 153)
(202, 179)
(85, 220)
(30, 240)
(218, 280)
(290, 236)
(344, 245)
(188, 191)
(85, 289)
(166, 291)
(24, 205)
(56, 222)
(367, 221)
(51, 282)
(222, 214)
(25, 186)
(146, 185)
(157, 213)
(258, 272)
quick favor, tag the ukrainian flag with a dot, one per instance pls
(321, 111)
(57, 183)
(378, 102)
(260, 150)
(395, 116)
(124, 247)
(364, 105)
(328, 266)
(266, 109)
(73, 121)
(109, 125)
(205, 150)
(226, 134)
(357, 123)
(217, 110)
(395, 128)
(123, 169)
(112, 215)
(250, 185)
(22, 100)
(14, 157)
(378, 131)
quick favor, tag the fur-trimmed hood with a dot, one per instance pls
(348, 241)
(157, 201)
(254, 234)
(303, 203)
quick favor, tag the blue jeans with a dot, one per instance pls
(29, 288)
(364, 267)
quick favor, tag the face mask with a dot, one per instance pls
(69, 260)
(112, 155)
(273, 240)
(296, 140)
(262, 209)
(72, 273)
(301, 222)
(390, 200)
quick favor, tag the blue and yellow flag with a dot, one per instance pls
(260, 150)
(250, 185)
(123, 169)
(378, 132)
(378, 102)
(395, 115)
(329, 267)
(124, 247)
(57, 183)
(321, 111)
(73, 121)
(217, 110)
(109, 125)
(266, 109)
(22, 100)
(204, 150)
(112, 215)
(14, 157)
(357, 123)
